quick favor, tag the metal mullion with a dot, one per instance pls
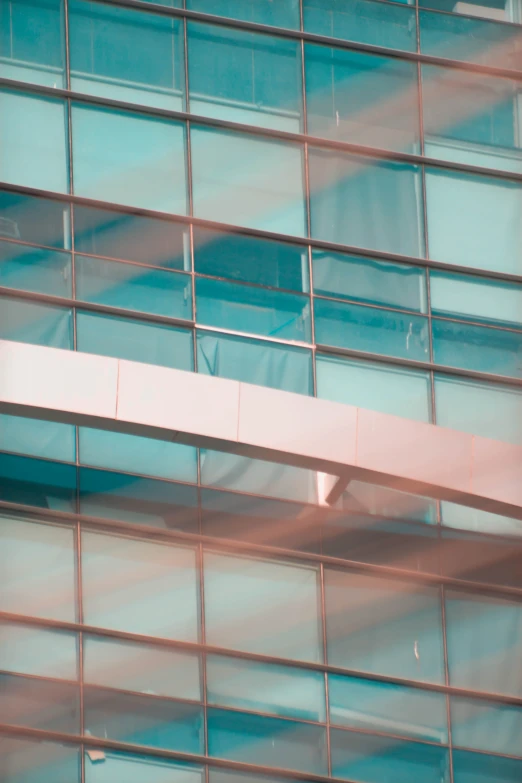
(326, 675)
(446, 678)
(203, 653)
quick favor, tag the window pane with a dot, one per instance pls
(34, 141)
(37, 220)
(37, 573)
(362, 98)
(248, 181)
(474, 519)
(38, 438)
(477, 347)
(480, 768)
(39, 704)
(137, 769)
(485, 725)
(32, 269)
(265, 687)
(361, 383)
(101, 38)
(139, 341)
(244, 308)
(29, 322)
(262, 606)
(36, 482)
(491, 9)
(272, 742)
(139, 586)
(255, 361)
(384, 626)
(25, 649)
(284, 13)
(107, 165)
(476, 298)
(342, 187)
(25, 761)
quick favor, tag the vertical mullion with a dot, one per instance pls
(203, 654)
(325, 659)
(446, 678)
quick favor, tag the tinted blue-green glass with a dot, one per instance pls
(284, 13)
(136, 769)
(139, 341)
(362, 98)
(29, 322)
(35, 269)
(57, 651)
(385, 707)
(248, 181)
(244, 77)
(133, 287)
(36, 220)
(246, 308)
(476, 520)
(36, 482)
(48, 439)
(476, 298)
(251, 259)
(170, 3)
(371, 329)
(370, 759)
(39, 703)
(368, 280)
(342, 188)
(101, 39)
(25, 761)
(486, 725)
(481, 768)
(129, 158)
(32, 46)
(378, 24)
(272, 742)
(34, 141)
(489, 9)
(477, 347)
(255, 361)
(265, 687)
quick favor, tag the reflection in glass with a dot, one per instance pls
(48, 439)
(34, 269)
(27, 761)
(477, 347)
(39, 324)
(39, 704)
(283, 13)
(36, 220)
(57, 651)
(476, 298)
(137, 769)
(485, 725)
(481, 768)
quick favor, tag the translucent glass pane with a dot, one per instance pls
(342, 188)
(137, 769)
(473, 519)
(384, 626)
(34, 141)
(361, 383)
(37, 220)
(485, 725)
(217, 775)
(139, 586)
(25, 761)
(383, 706)
(256, 310)
(272, 742)
(501, 10)
(481, 768)
(133, 287)
(484, 642)
(244, 77)
(375, 759)
(36, 482)
(477, 347)
(33, 269)
(368, 280)
(37, 573)
(368, 22)
(38, 438)
(265, 687)
(255, 361)
(248, 181)
(101, 38)
(476, 298)
(362, 98)
(371, 329)
(129, 158)
(32, 46)
(39, 704)
(29, 322)
(262, 606)
(139, 341)
(284, 13)
(25, 649)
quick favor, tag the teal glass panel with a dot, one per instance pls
(386, 707)
(486, 725)
(36, 220)
(481, 768)
(364, 21)
(457, 204)
(501, 10)
(408, 392)
(284, 13)
(129, 158)
(57, 651)
(37, 573)
(39, 704)
(136, 769)
(371, 329)
(33, 269)
(139, 341)
(40, 324)
(248, 181)
(370, 759)
(32, 45)
(244, 308)
(368, 280)
(170, 3)
(35, 482)
(133, 454)
(143, 668)
(48, 439)
(263, 606)
(255, 361)
(478, 521)
(217, 775)
(272, 742)
(362, 98)
(27, 761)
(484, 642)
(101, 38)
(139, 586)
(384, 626)
(34, 146)
(131, 238)
(490, 410)
(133, 287)
(245, 77)
(251, 259)
(265, 687)
(477, 347)
(342, 186)
(476, 298)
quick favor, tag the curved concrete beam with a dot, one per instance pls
(336, 439)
